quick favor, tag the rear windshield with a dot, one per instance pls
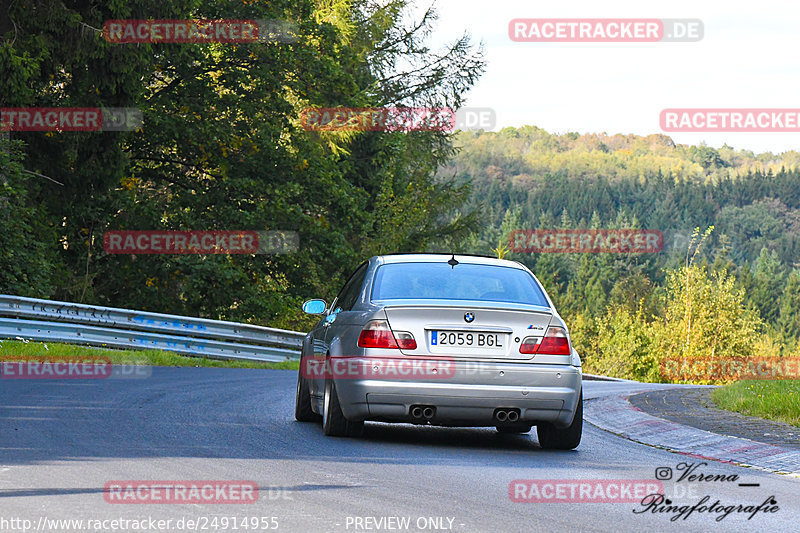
(440, 281)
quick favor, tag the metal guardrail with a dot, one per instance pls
(48, 320)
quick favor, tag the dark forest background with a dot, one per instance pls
(727, 283)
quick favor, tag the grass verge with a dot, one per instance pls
(135, 357)
(774, 399)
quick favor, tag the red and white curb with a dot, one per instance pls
(616, 415)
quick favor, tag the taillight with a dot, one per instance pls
(555, 342)
(378, 334)
(529, 345)
(405, 340)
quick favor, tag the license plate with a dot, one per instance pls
(466, 339)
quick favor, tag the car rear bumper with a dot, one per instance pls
(469, 394)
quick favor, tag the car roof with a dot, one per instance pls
(443, 258)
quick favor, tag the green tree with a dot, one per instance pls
(767, 285)
(623, 346)
(28, 259)
(222, 147)
(789, 319)
(705, 318)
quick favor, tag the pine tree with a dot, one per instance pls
(789, 319)
(768, 281)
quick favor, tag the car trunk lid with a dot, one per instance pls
(469, 331)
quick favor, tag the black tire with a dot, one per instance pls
(514, 428)
(334, 424)
(302, 401)
(568, 438)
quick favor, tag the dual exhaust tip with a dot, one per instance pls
(425, 412)
(506, 415)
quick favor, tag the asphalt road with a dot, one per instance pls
(62, 441)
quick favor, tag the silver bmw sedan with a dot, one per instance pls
(447, 340)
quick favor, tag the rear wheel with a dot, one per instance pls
(568, 438)
(514, 428)
(302, 400)
(334, 424)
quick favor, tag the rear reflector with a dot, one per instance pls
(555, 342)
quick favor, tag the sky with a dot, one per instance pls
(749, 57)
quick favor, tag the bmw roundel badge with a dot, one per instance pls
(469, 317)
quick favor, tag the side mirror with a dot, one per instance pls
(314, 307)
